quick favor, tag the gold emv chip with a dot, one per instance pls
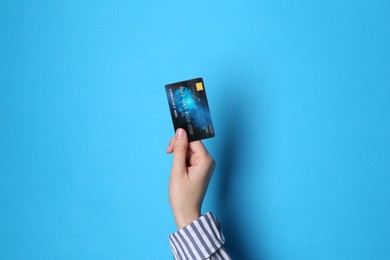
(199, 86)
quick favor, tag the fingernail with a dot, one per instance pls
(179, 133)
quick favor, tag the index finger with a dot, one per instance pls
(198, 147)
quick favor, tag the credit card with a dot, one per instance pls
(190, 109)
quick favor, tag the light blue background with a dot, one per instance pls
(299, 93)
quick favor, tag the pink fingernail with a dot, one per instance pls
(180, 133)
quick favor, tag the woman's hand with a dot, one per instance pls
(191, 171)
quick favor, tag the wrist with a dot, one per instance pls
(183, 220)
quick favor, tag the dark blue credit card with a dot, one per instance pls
(189, 108)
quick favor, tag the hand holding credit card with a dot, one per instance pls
(189, 108)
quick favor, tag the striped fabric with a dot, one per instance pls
(202, 239)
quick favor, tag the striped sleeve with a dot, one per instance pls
(202, 239)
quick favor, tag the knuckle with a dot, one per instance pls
(213, 163)
(210, 161)
(180, 148)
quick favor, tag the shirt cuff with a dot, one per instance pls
(198, 240)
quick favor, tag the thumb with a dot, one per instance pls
(180, 147)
